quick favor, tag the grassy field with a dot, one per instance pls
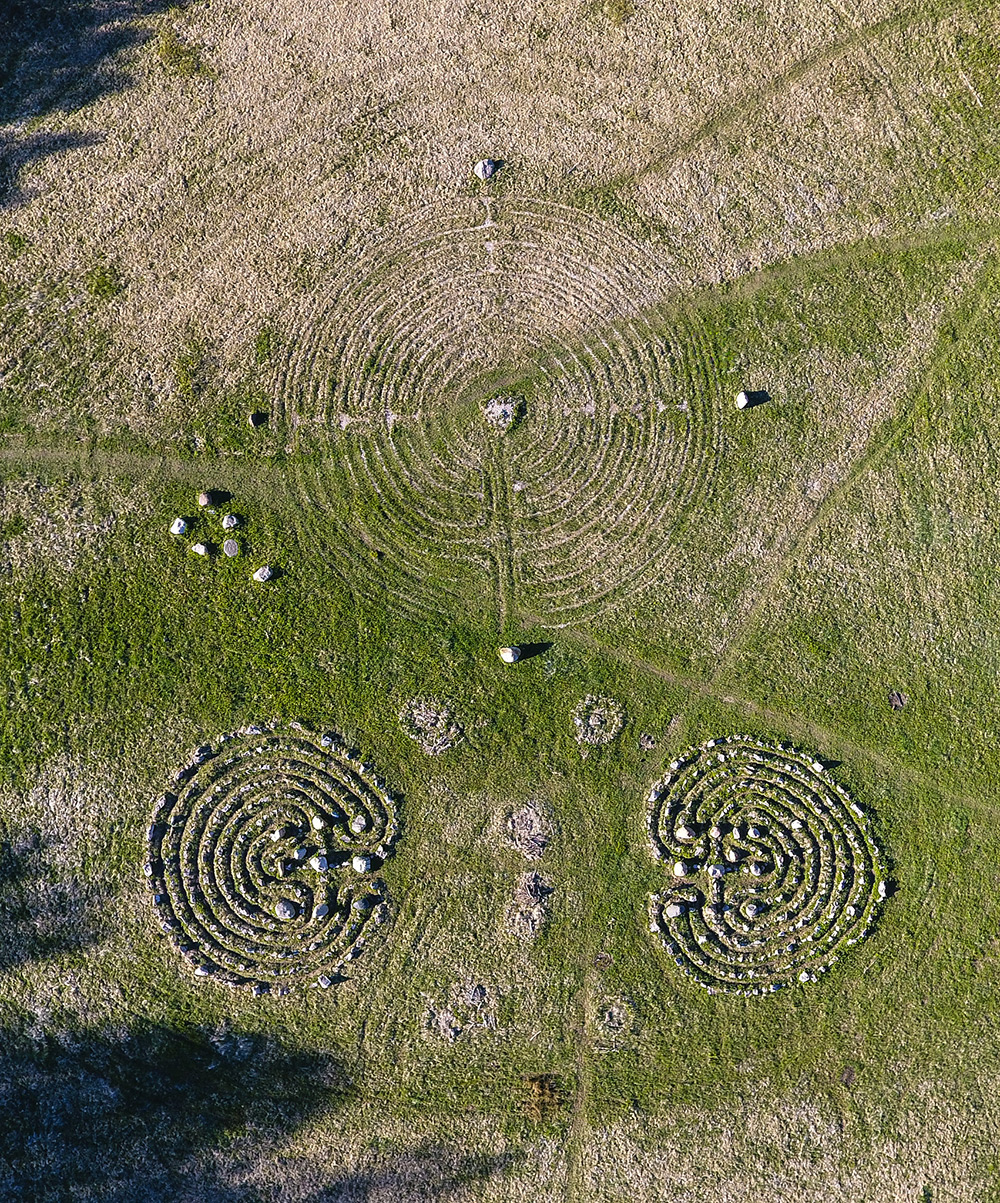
(216, 210)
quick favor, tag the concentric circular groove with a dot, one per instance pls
(774, 869)
(398, 359)
(263, 858)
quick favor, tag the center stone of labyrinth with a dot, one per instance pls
(774, 869)
(264, 858)
(511, 413)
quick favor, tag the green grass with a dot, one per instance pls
(845, 544)
(179, 57)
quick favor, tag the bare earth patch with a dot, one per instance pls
(530, 908)
(528, 831)
(432, 724)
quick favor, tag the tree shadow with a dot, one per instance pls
(428, 1172)
(43, 911)
(144, 1112)
(56, 56)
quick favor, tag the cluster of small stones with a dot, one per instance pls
(597, 720)
(264, 857)
(230, 546)
(775, 869)
(501, 413)
(432, 724)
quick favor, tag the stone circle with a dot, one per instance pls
(784, 873)
(247, 885)
(597, 720)
(432, 724)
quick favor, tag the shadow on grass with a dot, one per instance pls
(428, 1172)
(152, 1113)
(56, 58)
(43, 911)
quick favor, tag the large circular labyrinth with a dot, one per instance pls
(264, 858)
(774, 869)
(391, 373)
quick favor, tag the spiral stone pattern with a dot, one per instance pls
(393, 370)
(264, 857)
(774, 868)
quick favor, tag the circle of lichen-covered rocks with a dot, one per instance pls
(264, 858)
(774, 869)
(597, 720)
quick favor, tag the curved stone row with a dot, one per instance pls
(775, 871)
(264, 858)
(399, 359)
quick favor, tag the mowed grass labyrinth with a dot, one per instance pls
(698, 899)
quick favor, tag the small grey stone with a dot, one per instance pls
(486, 169)
(230, 522)
(286, 909)
(231, 548)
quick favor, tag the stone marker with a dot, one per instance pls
(324, 982)
(199, 549)
(742, 400)
(319, 863)
(361, 864)
(510, 655)
(681, 868)
(286, 909)
(685, 833)
(358, 824)
(178, 527)
(263, 574)
(318, 822)
(204, 499)
(673, 910)
(321, 911)
(231, 548)
(230, 522)
(486, 169)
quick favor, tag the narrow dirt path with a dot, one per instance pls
(817, 734)
(917, 365)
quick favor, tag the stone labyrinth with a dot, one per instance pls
(264, 858)
(508, 411)
(774, 868)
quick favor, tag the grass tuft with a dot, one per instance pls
(178, 57)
